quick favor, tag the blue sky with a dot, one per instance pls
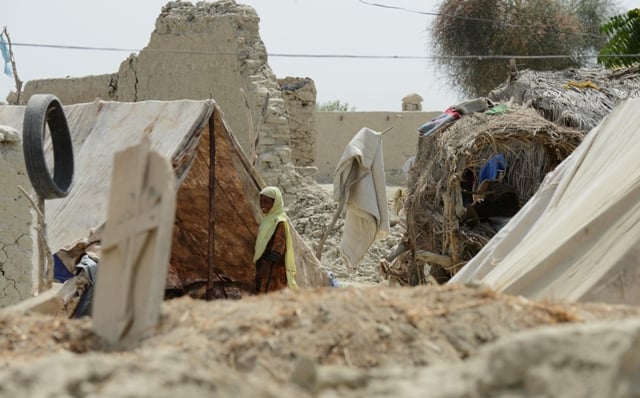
(346, 27)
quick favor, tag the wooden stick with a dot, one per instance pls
(430, 257)
(335, 217)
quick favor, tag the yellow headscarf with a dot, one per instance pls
(267, 228)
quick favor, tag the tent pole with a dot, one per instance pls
(212, 276)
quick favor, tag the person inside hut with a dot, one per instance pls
(274, 256)
(494, 200)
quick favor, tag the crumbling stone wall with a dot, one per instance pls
(18, 243)
(73, 90)
(300, 99)
(207, 50)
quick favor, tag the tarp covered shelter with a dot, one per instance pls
(578, 236)
(217, 210)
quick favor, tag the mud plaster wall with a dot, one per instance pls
(336, 129)
(17, 237)
(207, 50)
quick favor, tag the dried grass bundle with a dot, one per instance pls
(578, 98)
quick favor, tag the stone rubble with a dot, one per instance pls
(312, 209)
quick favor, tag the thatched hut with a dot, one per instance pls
(578, 98)
(550, 111)
(449, 160)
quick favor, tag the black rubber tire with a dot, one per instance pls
(41, 109)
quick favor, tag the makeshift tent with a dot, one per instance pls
(217, 210)
(578, 237)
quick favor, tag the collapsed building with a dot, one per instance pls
(207, 51)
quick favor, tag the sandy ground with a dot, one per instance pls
(364, 339)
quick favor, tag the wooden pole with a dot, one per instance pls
(213, 290)
(329, 228)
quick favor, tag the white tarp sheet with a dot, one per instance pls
(577, 238)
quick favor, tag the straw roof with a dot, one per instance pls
(578, 98)
(531, 145)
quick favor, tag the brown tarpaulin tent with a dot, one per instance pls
(216, 215)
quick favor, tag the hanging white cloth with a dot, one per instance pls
(360, 179)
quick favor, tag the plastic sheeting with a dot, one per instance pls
(578, 237)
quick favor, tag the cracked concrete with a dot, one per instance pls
(18, 246)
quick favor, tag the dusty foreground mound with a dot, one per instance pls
(378, 341)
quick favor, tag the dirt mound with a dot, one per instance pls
(282, 344)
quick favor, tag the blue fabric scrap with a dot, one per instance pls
(492, 167)
(4, 48)
(60, 272)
